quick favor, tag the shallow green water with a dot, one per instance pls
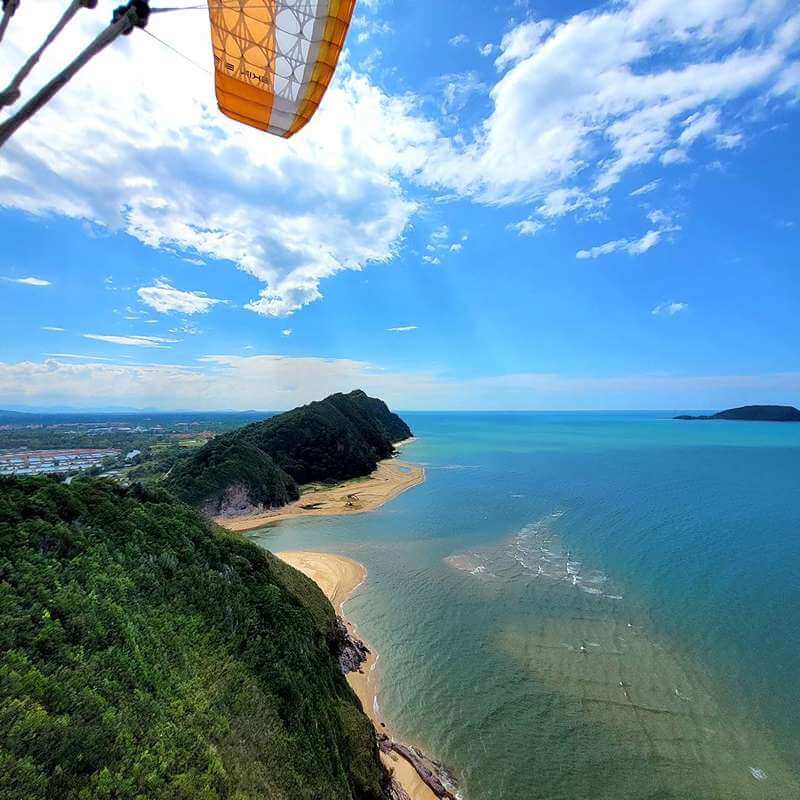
(578, 605)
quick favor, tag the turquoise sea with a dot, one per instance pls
(583, 605)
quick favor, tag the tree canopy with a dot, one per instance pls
(147, 654)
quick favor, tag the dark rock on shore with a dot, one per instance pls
(435, 775)
(352, 652)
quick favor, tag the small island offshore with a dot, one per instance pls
(147, 652)
(753, 414)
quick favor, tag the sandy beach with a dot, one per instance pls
(391, 478)
(339, 577)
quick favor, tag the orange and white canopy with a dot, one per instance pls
(274, 59)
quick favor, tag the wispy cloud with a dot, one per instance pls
(131, 341)
(52, 328)
(440, 243)
(527, 227)
(635, 247)
(669, 309)
(458, 40)
(287, 332)
(79, 356)
(646, 188)
(29, 281)
(163, 297)
(402, 328)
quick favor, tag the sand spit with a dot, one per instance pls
(391, 478)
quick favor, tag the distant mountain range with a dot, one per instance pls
(754, 414)
(262, 464)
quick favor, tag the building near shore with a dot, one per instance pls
(50, 462)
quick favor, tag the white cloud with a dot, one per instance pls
(440, 243)
(458, 40)
(729, 141)
(646, 188)
(697, 125)
(280, 382)
(167, 168)
(163, 297)
(486, 49)
(577, 105)
(522, 42)
(79, 356)
(52, 328)
(368, 27)
(789, 82)
(527, 227)
(564, 201)
(669, 309)
(402, 328)
(186, 327)
(287, 332)
(582, 102)
(635, 247)
(458, 88)
(131, 341)
(29, 281)
(675, 155)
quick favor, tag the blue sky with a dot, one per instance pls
(566, 205)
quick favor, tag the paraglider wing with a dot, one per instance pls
(274, 59)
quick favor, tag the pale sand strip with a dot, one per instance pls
(338, 577)
(391, 478)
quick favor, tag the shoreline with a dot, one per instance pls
(339, 577)
(391, 478)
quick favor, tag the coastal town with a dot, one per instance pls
(52, 462)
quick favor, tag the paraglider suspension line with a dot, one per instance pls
(9, 7)
(133, 14)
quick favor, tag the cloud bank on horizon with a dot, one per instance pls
(276, 383)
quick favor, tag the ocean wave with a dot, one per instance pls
(536, 551)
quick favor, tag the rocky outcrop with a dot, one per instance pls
(235, 500)
(352, 652)
(432, 773)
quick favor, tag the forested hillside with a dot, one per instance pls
(343, 436)
(147, 654)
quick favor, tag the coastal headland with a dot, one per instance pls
(338, 577)
(356, 496)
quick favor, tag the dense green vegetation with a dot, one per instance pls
(146, 654)
(341, 437)
(232, 461)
